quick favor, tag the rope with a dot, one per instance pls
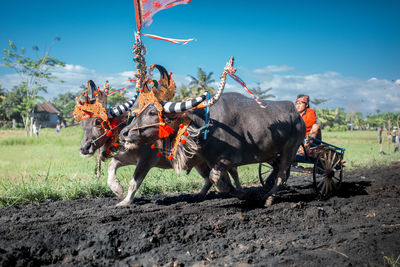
(241, 82)
(207, 116)
(130, 86)
(146, 126)
(101, 136)
(98, 165)
(137, 128)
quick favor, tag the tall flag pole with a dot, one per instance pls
(139, 49)
(144, 11)
(138, 15)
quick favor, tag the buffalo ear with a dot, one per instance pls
(167, 120)
(168, 117)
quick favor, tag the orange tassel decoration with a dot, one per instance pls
(158, 154)
(109, 133)
(164, 130)
(116, 145)
(153, 146)
(170, 157)
(183, 141)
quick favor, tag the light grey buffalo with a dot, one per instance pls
(142, 156)
(241, 133)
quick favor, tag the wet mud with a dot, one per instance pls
(358, 227)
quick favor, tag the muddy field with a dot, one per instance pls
(356, 228)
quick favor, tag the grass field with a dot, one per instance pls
(49, 167)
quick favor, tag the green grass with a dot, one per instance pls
(49, 167)
(362, 148)
(392, 261)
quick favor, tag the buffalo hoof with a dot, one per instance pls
(269, 201)
(238, 186)
(123, 203)
(224, 187)
(240, 194)
(200, 195)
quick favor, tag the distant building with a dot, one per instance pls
(47, 115)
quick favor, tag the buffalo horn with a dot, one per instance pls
(176, 107)
(162, 70)
(91, 89)
(121, 109)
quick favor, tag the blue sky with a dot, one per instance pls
(346, 51)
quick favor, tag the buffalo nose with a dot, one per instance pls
(125, 132)
(86, 147)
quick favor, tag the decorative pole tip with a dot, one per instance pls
(229, 65)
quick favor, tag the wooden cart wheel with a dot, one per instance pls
(328, 172)
(268, 173)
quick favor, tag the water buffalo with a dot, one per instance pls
(241, 133)
(142, 156)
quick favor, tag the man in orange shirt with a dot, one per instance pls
(308, 115)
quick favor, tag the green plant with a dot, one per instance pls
(32, 73)
(392, 261)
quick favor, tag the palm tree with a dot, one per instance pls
(201, 83)
(182, 94)
(260, 93)
(331, 117)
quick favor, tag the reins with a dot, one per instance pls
(146, 126)
(137, 128)
(101, 136)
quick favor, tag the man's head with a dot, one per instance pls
(302, 103)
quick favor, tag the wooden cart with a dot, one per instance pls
(326, 165)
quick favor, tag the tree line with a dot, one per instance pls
(18, 103)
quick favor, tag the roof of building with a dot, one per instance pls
(47, 107)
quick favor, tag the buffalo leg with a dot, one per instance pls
(235, 176)
(120, 160)
(284, 164)
(220, 178)
(112, 180)
(142, 168)
(204, 171)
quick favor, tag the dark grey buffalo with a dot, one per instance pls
(241, 132)
(142, 156)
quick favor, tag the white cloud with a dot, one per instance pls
(272, 69)
(351, 93)
(73, 76)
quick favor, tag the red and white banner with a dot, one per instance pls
(145, 10)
